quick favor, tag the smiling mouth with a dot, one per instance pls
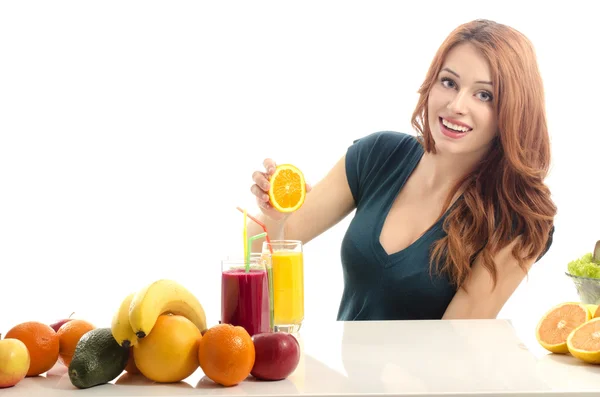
(460, 129)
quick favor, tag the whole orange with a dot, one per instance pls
(42, 343)
(226, 354)
(68, 335)
(170, 352)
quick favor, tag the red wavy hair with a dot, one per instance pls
(505, 195)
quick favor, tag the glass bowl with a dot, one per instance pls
(588, 289)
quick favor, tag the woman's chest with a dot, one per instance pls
(409, 218)
(384, 285)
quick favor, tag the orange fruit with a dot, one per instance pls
(42, 343)
(69, 334)
(287, 190)
(170, 352)
(131, 367)
(557, 323)
(584, 341)
(226, 354)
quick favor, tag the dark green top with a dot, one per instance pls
(378, 286)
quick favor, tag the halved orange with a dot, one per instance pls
(288, 188)
(584, 341)
(556, 324)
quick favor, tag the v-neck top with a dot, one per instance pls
(378, 285)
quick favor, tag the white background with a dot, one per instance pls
(107, 177)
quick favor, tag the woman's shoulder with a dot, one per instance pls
(387, 137)
(386, 143)
(376, 156)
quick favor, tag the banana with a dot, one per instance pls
(160, 297)
(120, 327)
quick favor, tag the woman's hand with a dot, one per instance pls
(261, 187)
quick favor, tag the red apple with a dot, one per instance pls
(55, 326)
(277, 355)
(14, 362)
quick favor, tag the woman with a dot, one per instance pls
(447, 223)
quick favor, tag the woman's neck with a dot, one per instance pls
(440, 172)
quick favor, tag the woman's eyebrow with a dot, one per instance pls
(456, 74)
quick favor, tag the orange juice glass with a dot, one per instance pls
(287, 283)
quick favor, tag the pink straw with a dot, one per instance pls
(262, 225)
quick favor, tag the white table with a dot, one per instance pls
(403, 358)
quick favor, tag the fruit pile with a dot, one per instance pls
(159, 332)
(32, 348)
(571, 328)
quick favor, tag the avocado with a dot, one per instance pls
(98, 359)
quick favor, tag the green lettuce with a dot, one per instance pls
(586, 266)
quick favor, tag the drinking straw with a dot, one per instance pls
(269, 276)
(246, 255)
(250, 240)
(262, 225)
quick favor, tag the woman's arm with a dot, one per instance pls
(328, 202)
(483, 300)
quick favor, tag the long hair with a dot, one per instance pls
(504, 196)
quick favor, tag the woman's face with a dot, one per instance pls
(461, 113)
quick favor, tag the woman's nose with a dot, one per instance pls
(457, 104)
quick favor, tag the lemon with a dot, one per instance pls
(592, 308)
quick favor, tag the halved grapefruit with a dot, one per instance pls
(584, 341)
(556, 324)
(288, 188)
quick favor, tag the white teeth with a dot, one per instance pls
(454, 126)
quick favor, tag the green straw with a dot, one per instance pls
(269, 266)
(248, 248)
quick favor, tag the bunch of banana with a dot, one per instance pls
(139, 311)
(120, 326)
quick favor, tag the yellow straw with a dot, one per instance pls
(246, 240)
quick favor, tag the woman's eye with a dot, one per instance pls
(448, 83)
(484, 96)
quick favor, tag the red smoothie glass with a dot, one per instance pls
(245, 294)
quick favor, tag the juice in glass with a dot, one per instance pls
(245, 295)
(287, 272)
